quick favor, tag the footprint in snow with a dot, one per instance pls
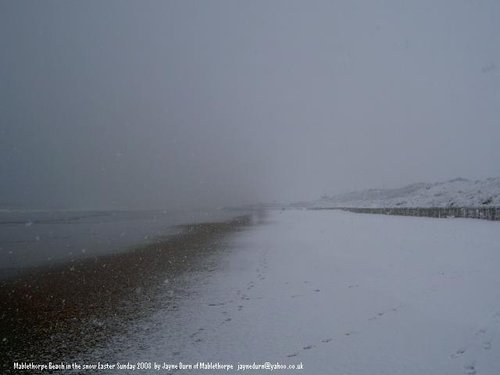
(308, 347)
(293, 355)
(470, 368)
(382, 313)
(482, 331)
(458, 353)
(486, 345)
(326, 340)
(196, 333)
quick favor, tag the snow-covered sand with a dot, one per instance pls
(342, 293)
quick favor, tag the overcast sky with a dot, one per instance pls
(153, 104)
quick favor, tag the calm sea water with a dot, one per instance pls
(38, 238)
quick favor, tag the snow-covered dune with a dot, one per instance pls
(458, 192)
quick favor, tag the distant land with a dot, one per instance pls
(458, 192)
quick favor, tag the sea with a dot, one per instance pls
(39, 238)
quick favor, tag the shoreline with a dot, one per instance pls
(40, 239)
(45, 308)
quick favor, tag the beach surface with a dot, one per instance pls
(326, 291)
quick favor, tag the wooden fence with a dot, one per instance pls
(486, 213)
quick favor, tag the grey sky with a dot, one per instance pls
(132, 104)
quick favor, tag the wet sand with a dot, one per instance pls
(53, 313)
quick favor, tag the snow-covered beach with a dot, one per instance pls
(250, 186)
(338, 292)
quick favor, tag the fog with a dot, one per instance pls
(156, 104)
